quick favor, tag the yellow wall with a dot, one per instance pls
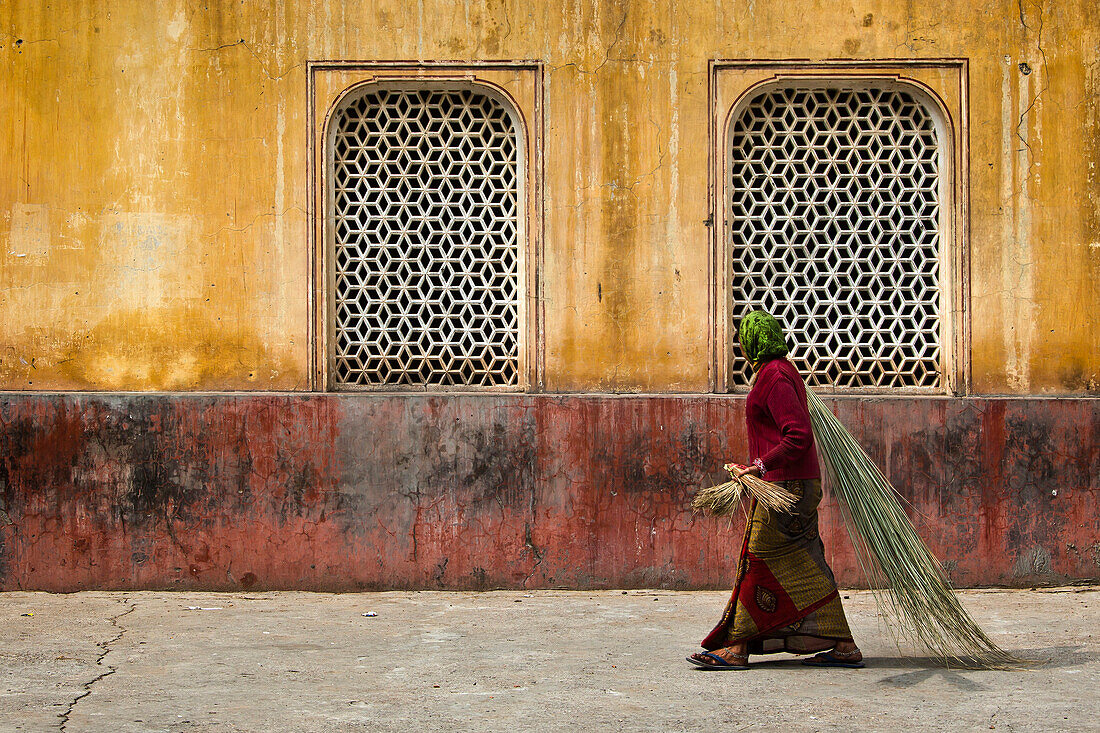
(154, 177)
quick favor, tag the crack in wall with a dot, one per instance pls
(271, 75)
(1021, 183)
(4, 518)
(615, 42)
(912, 39)
(105, 646)
(1045, 83)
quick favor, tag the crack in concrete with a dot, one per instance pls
(111, 669)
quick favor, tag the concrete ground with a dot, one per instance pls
(545, 661)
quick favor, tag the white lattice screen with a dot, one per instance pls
(834, 228)
(427, 226)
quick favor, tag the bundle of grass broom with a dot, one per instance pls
(910, 585)
(722, 500)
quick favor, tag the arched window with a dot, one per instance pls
(427, 222)
(834, 225)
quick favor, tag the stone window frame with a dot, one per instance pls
(943, 85)
(519, 83)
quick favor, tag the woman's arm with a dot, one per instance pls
(793, 421)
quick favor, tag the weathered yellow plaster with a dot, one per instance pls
(153, 208)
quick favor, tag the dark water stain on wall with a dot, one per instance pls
(344, 492)
(126, 492)
(501, 464)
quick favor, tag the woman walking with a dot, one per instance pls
(785, 598)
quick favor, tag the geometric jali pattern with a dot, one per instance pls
(834, 214)
(426, 227)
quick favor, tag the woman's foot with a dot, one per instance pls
(848, 651)
(844, 654)
(730, 657)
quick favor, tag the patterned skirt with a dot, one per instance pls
(785, 598)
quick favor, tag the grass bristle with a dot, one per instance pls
(722, 500)
(910, 585)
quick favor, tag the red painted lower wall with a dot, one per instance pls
(347, 492)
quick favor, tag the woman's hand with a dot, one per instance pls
(737, 470)
(754, 470)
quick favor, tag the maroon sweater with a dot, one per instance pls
(780, 434)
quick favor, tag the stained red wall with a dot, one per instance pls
(344, 492)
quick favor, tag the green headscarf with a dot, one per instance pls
(762, 337)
